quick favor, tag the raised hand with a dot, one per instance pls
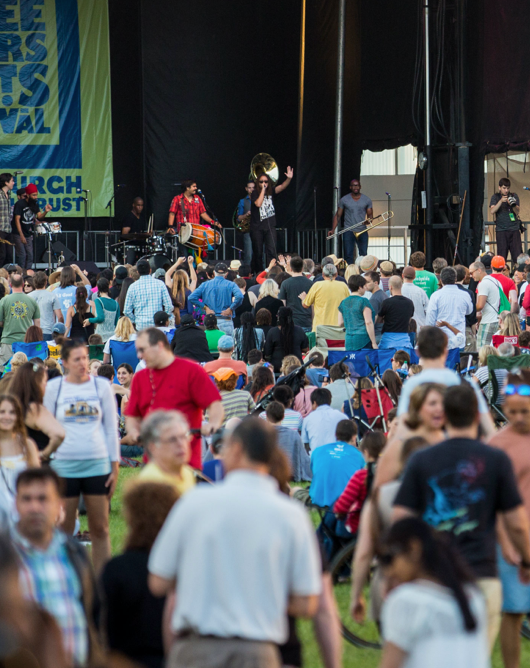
(289, 173)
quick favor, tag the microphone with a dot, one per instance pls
(82, 190)
(388, 194)
(176, 184)
(21, 172)
(121, 185)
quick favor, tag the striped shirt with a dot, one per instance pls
(49, 578)
(237, 403)
(292, 420)
(144, 298)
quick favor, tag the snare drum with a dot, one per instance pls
(54, 228)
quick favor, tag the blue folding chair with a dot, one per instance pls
(37, 349)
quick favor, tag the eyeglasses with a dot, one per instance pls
(521, 390)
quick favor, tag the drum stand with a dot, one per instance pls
(49, 252)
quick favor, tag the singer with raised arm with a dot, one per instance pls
(263, 218)
(356, 208)
(504, 206)
(188, 207)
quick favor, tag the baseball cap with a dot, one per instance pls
(224, 373)
(159, 273)
(59, 328)
(225, 343)
(160, 317)
(409, 272)
(120, 274)
(11, 268)
(498, 262)
(210, 319)
(220, 268)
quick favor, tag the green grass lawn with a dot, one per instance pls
(353, 657)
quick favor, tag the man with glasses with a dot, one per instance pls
(488, 303)
(172, 383)
(263, 219)
(166, 435)
(513, 440)
(356, 208)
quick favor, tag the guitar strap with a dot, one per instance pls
(182, 206)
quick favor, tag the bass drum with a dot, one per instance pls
(158, 261)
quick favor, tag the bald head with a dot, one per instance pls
(138, 205)
(394, 285)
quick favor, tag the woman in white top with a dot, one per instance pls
(17, 451)
(88, 458)
(124, 332)
(434, 616)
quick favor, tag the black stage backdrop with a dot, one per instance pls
(198, 90)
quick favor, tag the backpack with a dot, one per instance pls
(504, 304)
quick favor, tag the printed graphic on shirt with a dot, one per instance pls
(267, 208)
(455, 490)
(19, 310)
(81, 411)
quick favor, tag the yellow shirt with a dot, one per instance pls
(183, 483)
(325, 297)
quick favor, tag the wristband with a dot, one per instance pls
(525, 564)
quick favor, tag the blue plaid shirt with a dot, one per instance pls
(49, 578)
(144, 298)
(217, 294)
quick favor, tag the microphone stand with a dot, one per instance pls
(86, 241)
(315, 251)
(388, 232)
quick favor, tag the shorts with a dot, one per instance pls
(515, 594)
(91, 486)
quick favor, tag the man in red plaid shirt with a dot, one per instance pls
(193, 208)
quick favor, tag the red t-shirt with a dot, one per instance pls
(506, 282)
(183, 386)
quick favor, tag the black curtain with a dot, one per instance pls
(220, 85)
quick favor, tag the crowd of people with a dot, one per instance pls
(220, 387)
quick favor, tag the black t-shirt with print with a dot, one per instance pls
(27, 212)
(264, 216)
(458, 487)
(502, 218)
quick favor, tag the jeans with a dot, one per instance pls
(226, 326)
(5, 249)
(131, 450)
(23, 252)
(349, 241)
(247, 249)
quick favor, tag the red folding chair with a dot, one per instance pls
(375, 411)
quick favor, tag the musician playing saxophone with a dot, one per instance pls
(188, 207)
(356, 208)
(243, 217)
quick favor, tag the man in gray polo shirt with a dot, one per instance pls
(356, 208)
(240, 556)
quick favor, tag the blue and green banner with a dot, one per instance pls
(55, 108)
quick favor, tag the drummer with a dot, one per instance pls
(188, 207)
(133, 223)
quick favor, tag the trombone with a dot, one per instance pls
(384, 217)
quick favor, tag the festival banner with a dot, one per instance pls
(55, 108)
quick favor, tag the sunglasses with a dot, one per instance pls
(521, 390)
(263, 181)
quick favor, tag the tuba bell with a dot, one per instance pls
(263, 163)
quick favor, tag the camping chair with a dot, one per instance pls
(510, 364)
(329, 336)
(37, 349)
(123, 352)
(95, 351)
(375, 412)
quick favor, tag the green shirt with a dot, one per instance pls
(17, 312)
(213, 336)
(426, 281)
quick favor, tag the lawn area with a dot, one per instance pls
(353, 657)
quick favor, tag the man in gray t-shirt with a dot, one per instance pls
(356, 208)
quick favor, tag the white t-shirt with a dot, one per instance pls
(89, 416)
(424, 620)
(490, 287)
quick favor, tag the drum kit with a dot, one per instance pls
(48, 229)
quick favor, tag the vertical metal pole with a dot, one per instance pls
(338, 118)
(428, 152)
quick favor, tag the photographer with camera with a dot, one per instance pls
(504, 206)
